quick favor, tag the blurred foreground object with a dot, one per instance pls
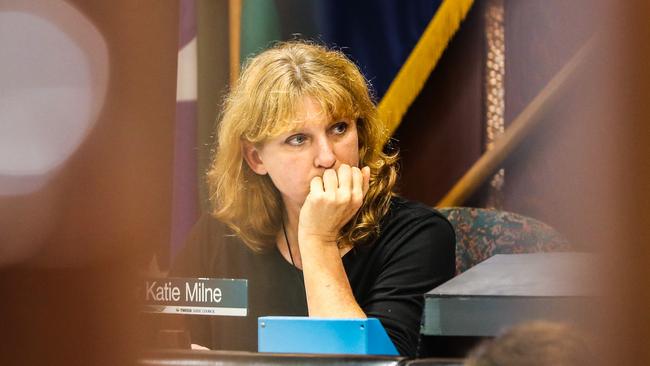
(87, 110)
(537, 343)
(53, 77)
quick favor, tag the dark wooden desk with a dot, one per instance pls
(511, 288)
(231, 358)
(502, 291)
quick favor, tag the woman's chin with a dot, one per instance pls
(294, 204)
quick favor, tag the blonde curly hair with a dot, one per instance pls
(261, 106)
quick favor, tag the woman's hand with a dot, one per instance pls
(332, 201)
(199, 347)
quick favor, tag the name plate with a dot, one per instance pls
(197, 296)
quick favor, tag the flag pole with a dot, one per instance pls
(234, 35)
(514, 135)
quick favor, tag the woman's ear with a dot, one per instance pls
(253, 159)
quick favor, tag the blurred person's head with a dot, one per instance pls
(283, 95)
(538, 343)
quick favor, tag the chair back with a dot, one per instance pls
(482, 233)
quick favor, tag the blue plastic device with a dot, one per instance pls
(297, 334)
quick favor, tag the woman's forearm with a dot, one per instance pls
(327, 287)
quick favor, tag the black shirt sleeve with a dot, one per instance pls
(416, 254)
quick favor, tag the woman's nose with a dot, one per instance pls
(325, 157)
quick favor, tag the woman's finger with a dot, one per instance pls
(345, 178)
(357, 185)
(316, 185)
(330, 181)
(366, 179)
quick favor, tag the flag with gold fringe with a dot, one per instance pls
(395, 43)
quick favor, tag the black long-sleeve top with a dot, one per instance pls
(413, 254)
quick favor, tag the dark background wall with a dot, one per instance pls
(443, 133)
(554, 166)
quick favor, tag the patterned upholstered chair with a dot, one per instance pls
(482, 233)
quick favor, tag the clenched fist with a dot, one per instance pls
(332, 201)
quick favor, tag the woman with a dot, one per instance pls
(304, 207)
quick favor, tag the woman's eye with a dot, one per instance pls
(296, 140)
(340, 128)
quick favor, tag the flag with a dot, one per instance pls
(184, 187)
(395, 43)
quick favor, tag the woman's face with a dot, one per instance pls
(292, 159)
